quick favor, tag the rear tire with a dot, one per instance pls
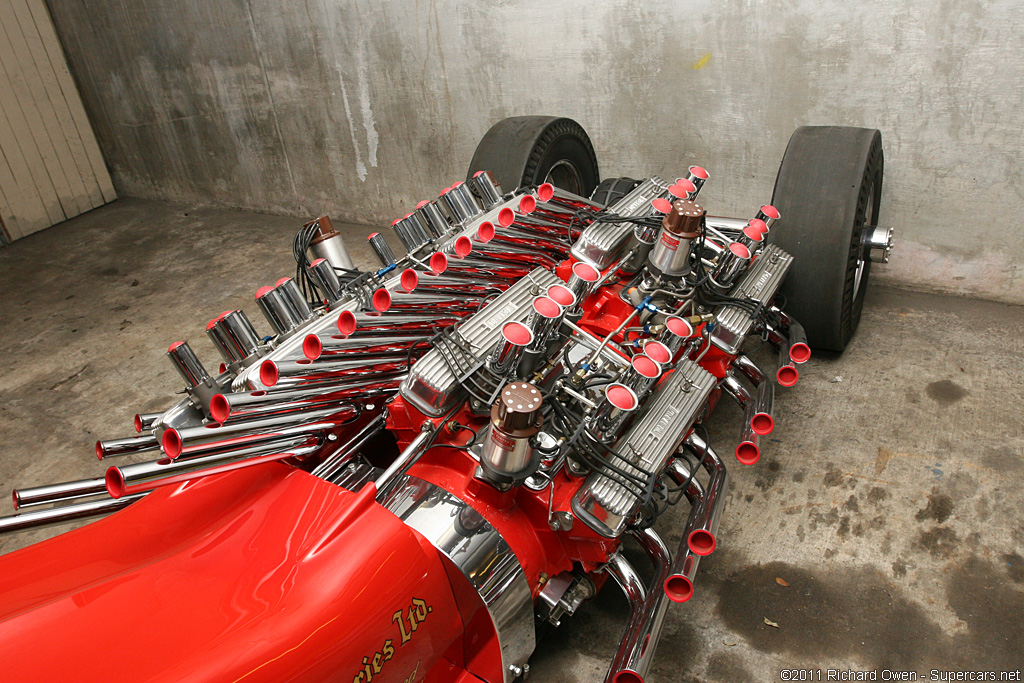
(530, 150)
(611, 190)
(829, 187)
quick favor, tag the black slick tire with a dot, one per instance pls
(829, 187)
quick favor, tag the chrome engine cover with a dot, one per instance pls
(604, 243)
(431, 385)
(760, 283)
(483, 556)
(605, 504)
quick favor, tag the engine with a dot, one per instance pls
(524, 388)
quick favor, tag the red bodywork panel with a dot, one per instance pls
(263, 574)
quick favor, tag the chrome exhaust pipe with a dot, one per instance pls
(486, 188)
(65, 513)
(145, 476)
(763, 421)
(515, 339)
(382, 249)
(234, 336)
(325, 279)
(188, 365)
(610, 418)
(237, 405)
(188, 440)
(56, 493)
(633, 658)
(793, 350)
(675, 333)
(145, 421)
(431, 216)
(747, 452)
(702, 525)
(582, 282)
(642, 374)
(133, 444)
(283, 305)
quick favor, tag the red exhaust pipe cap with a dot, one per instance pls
(312, 348)
(753, 234)
(220, 409)
(758, 224)
(682, 189)
(547, 307)
(262, 291)
(739, 250)
(381, 300)
(281, 281)
(527, 204)
(114, 482)
(770, 211)
(646, 366)
(438, 263)
(506, 217)
(423, 203)
(463, 246)
(545, 192)
(787, 375)
(762, 424)
(800, 352)
(478, 174)
(410, 278)
(628, 677)
(562, 295)
(586, 272)
(701, 542)
(658, 351)
(678, 588)
(137, 422)
(174, 346)
(485, 233)
(517, 333)
(621, 396)
(748, 453)
(661, 205)
(346, 322)
(699, 171)
(99, 451)
(171, 443)
(680, 327)
(269, 373)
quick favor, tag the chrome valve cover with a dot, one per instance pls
(603, 243)
(431, 385)
(606, 505)
(760, 283)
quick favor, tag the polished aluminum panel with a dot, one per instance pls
(760, 283)
(431, 385)
(604, 243)
(476, 548)
(604, 504)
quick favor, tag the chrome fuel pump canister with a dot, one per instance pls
(670, 255)
(507, 453)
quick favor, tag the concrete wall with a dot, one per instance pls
(360, 109)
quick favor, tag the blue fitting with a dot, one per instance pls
(387, 269)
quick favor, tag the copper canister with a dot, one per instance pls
(515, 419)
(671, 253)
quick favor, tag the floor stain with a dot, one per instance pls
(856, 612)
(939, 507)
(726, 667)
(826, 614)
(939, 542)
(1014, 566)
(945, 392)
(1003, 459)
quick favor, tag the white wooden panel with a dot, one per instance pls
(73, 101)
(50, 164)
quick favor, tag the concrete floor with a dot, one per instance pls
(882, 528)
